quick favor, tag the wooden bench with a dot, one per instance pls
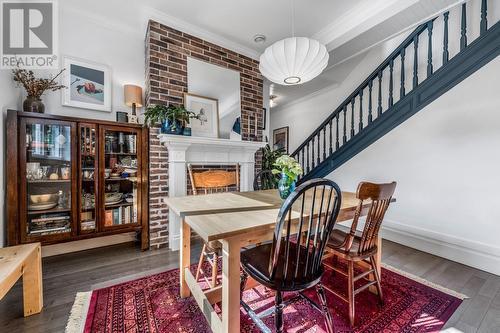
(26, 261)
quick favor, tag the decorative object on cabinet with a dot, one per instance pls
(206, 111)
(35, 88)
(89, 85)
(66, 175)
(133, 98)
(173, 119)
(280, 139)
(122, 117)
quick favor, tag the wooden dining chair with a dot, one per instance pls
(207, 182)
(355, 248)
(292, 262)
(265, 180)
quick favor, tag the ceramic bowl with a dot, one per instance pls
(113, 196)
(43, 198)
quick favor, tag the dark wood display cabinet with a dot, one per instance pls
(72, 178)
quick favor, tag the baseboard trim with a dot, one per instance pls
(471, 253)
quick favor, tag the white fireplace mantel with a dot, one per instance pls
(197, 150)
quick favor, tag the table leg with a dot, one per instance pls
(231, 286)
(185, 257)
(32, 284)
(378, 256)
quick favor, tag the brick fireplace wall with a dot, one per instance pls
(167, 50)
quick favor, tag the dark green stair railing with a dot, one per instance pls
(351, 128)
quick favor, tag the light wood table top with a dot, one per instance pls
(223, 202)
(215, 225)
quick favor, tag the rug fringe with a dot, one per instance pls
(426, 282)
(78, 314)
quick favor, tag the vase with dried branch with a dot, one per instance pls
(35, 88)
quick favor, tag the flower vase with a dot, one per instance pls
(166, 127)
(33, 104)
(286, 186)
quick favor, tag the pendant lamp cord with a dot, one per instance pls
(293, 18)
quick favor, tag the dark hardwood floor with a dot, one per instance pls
(65, 275)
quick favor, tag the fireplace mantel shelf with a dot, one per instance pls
(183, 150)
(168, 139)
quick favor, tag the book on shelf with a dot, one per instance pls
(108, 218)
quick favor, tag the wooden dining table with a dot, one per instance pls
(236, 220)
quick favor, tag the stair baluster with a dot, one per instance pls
(361, 110)
(331, 139)
(463, 27)
(319, 149)
(391, 83)
(415, 62)
(313, 160)
(370, 116)
(344, 139)
(352, 117)
(379, 110)
(308, 168)
(484, 19)
(430, 70)
(337, 139)
(324, 142)
(446, 53)
(402, 91)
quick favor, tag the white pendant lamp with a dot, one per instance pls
(293, 60)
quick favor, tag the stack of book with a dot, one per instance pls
(120, 215)
(50, 224)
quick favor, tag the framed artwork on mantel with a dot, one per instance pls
(88, 85)
(207, 110)
(280, 138)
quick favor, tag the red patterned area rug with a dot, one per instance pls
(152, 304)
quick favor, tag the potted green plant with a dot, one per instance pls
(35, 88)
(290, 170)
(172, 118)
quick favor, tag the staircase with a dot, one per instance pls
(384, 101)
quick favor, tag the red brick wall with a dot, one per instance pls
(167, 50)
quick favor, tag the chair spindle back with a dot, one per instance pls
(306, 218)
(214, 181)
(380, 196)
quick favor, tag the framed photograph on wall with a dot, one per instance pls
(89, 85)
(207, 110)
(280, 138)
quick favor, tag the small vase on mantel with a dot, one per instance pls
(33, 104)
(286, 186)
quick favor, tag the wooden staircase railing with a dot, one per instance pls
(366, 115)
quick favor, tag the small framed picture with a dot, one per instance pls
(207, 111)
(280, 138)
(89, 85)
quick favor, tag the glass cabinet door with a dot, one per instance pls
(121, 174)
(88, 178)
(48, 168)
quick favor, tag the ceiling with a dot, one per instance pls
(346, 27)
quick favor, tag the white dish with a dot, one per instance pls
(44, 206)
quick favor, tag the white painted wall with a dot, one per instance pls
(90, 37)
(445, 158)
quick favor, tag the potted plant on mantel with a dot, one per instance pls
(35, 88)
(290, 170)
(173, 119)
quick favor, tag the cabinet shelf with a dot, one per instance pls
(49, 181)
(48, 211)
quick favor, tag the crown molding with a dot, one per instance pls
(359, 19)
(181, 25)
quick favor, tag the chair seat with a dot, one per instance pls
(335, 243)
(255, 262)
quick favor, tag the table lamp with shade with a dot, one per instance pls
(133, 98)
